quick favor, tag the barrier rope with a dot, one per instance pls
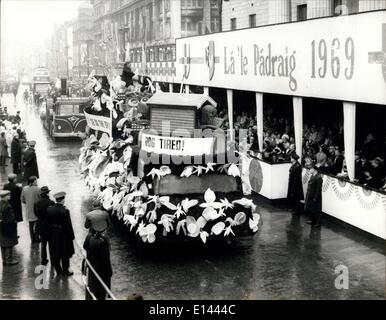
(108, 291)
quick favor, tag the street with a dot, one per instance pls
(285, 260)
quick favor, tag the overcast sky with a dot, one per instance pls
(34, 19)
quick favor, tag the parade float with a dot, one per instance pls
(143, 160)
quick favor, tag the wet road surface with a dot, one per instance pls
(285, 260)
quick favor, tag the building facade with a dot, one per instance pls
(240, 14)
(83, 41)
(144, 31)
(61, 51)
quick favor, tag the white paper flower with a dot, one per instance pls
(218, 228)
(246, 203)
(165, 170)
(199, 170)
(187, 204)
(204, 235)
(254, 223)
(211, 214)
(181, 226)
(228, 231)
(194, 227)
(234, 170)
(226, 204)
(148, 233)
(161, 201)
(210, 199)
(151, 216)
(130, 220)
(179, 211)
(187, 172)
(97, 105)
(167, 221)
(209, 167)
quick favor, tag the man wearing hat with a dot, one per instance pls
(29, 196)
(41, 213)
(60, 235)
(15, 189)
(97, 246)
(97, 218)
(313, 201)
(16, 153)
(8, 229)
(30, 164)
(295, 185)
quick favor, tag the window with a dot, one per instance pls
(67, 109)
(233, 24)
(302, 12)
(337, 9)
(167, 5)
(215, 24)
(352, 6)
(252, 20)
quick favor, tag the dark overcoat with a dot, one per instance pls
(98, 254)
(40, 210)
(16, 151)
(313, 202)
(30, 164)
(15, 200)
(295, 185)
(8, 225)
(60, 233)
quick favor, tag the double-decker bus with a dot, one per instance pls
(41, 81)
(65, 117)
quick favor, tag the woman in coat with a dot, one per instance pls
(3, 149)
(295, 185)
(8, 229)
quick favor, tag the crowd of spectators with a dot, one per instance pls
(321, 143)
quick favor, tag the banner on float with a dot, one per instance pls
(340, 58)
(177, 146)
(98, 123)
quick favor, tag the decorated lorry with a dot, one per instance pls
(166, 169)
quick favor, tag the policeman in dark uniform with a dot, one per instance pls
(97, 246)
(313, 201)
(60, 235)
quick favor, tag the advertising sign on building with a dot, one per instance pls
(342, 58)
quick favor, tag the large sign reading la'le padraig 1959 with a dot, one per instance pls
(341, 58)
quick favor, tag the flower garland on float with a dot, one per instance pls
(106, 168)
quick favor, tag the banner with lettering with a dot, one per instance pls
(177, 146)
(340, 58)
(98, 123)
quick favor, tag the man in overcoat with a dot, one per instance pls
(16, 153)
(8, 229)
(60, 235)
(41, 213)
(15, 201)
(295, 185)
(313, 202)
(29, 196)
(30, 164)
